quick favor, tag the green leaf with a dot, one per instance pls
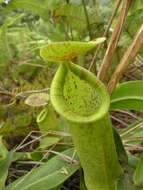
(128, 95)
(48, 141)
(48, 176)
(125, 184)
(47, 119)
(134, 20)
(70, 10)
(34, 6)
(3, 150)
(38, 99)
(22, 120)
(4, 47)
(68, 50)
(4, 166)
(122, 155)
(5, 161)
(74, 14)
(82, 181)
(5, 54)
(138, 175)
(133, 161)
(21, 156)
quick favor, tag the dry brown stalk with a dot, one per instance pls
(107, 61)
(129, 56)
(93, 62)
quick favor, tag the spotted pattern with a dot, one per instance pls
(80, 96)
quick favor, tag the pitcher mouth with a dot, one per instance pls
(78, 95)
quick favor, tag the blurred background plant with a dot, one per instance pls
(28, 123)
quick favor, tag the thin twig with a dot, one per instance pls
(93, 62)
(6, 93)
(107, 61)
(30, 162)
(129, 56)
(22, 145)
(30, 142)
(33, 65)
(25, 93)
(128, 113)
(126, 133)
(87, 18)
(133, 147)
(65, 157)
(133, 139)
(119, 120)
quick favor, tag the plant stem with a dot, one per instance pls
(94, 2)
(87, 18)
(129, 56)
(107, 61)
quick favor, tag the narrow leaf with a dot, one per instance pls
(48, 176)
(122, 155)
(4, 166)
(138, 175)
(48, 141)
(3, 150)
(128, 95)
(33, 6)
(133, 130)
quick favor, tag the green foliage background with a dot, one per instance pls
(26, 26)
